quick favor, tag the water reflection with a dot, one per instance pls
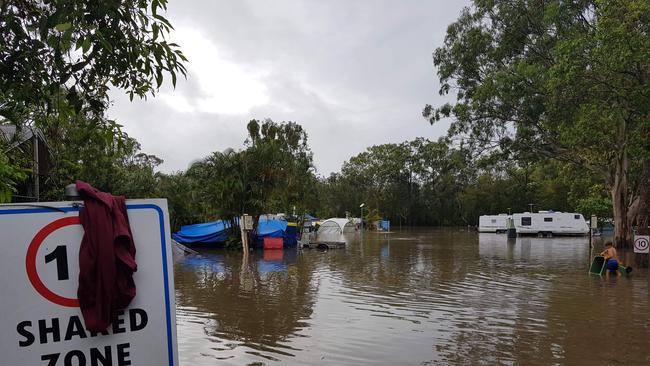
(557, 251)
(412, 297)
(243, 304)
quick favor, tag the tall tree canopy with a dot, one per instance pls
(58, 59)
(422, 182)
(557, 79)
(63, 55)
(273, 173)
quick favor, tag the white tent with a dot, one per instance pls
(334, 228)
(336, 225)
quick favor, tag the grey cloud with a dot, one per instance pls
(353, 73)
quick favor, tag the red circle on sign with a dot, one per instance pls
(30, 262)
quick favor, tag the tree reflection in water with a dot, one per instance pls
(252, 301)
(412, 297)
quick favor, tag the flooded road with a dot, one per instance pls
(419, 297)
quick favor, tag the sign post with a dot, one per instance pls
(41, 323)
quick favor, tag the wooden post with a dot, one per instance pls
(246, 225)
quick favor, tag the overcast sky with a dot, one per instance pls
(352, 73)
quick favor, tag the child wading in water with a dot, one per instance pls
(611, 256)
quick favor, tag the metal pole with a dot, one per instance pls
(36, 174)
(361, 219)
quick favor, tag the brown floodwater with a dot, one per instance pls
(413, 297)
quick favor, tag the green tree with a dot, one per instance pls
(96, 150)
(280, 166)
(10, 176)
(273, 173)
(566, 80)
(67, 53)
(183, 198)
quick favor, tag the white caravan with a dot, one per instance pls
(548, 223)
(492, 223)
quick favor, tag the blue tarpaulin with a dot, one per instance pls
(384, 225)
(271, 228)
(216, 232)
(308, 217)
(291, 236)
(209, 232)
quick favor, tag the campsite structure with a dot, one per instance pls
(330, 234)
(215, 233)
(334, 228)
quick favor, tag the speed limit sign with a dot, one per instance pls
(642, 244)
(42, 323)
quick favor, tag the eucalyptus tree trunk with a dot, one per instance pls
(643, 215)
(619, 192)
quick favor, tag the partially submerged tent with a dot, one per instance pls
(209, 232)
(336, 225)
(334, 228)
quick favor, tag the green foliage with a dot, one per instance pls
(58, 60)
(10, 176)
(412, 182)
(566, 80)
(83, 47)
(279, 166)
(372, 215)
(596, 202)
(182, 196)
(96, 150)
(272, 174)
(233, 242)
(432, 183)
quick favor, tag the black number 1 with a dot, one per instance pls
(60, 254)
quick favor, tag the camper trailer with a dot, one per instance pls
(492, 223)
(549, 223)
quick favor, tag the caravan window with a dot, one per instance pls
(494, 221)
(525, 221)
(548, 219)
(577, 217)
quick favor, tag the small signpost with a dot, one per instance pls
(642, 244)
(246, 227)
(41, 323)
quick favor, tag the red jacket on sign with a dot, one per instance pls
(106, 257)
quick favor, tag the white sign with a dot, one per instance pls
(40, 321)
(248, 222)
(642, 244)
(594, 222)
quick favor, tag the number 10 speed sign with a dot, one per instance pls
(41, 323)
(642, 244)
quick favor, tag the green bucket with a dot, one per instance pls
(598, 265)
